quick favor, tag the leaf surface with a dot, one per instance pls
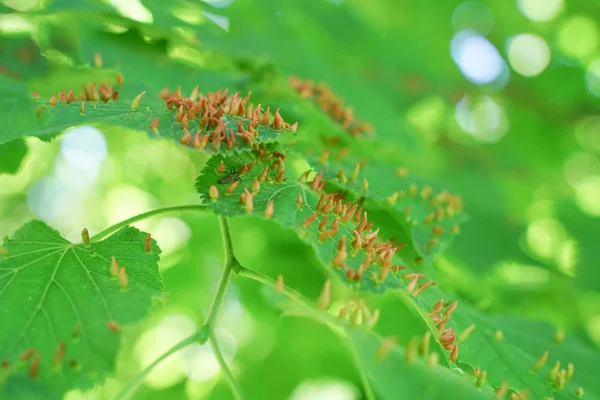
(59, 298)
(315, 223)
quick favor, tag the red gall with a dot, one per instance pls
(269, 209)
(123, 280)
(35, 367)
(27, 354)
(213, 192)
(114, 267)
(280, 286)
(148, 243)
(186, 139)
(113, 326)
(231, 188)
(454, 354)
(59, 353)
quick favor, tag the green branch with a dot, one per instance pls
(139, 217)
(206, 332)
(200, 336)
(230, 263)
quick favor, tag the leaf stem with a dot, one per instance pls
(267, 280)
(233, 385)
(206, 332)
(230, 263)
(139, 217)
(200, 336)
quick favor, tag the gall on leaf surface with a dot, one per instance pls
(429, 214)
(212, 122)
(383, 363)
(62, 302)
(508, 348)
(512, 354)
(369, 264)
(418, 380)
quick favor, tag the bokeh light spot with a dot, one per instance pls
(519, 274)
(10, 23)
(592, 328)
(477, 58)
(133, 9)
(483, 118)
(540, 10)
(156, 341)
(21, 5)
(325, 389)
(49, 199)
(544, 236)
(528, 54)
(83, 146)
(172, 234)
(427, 115)
(200, 363)
(220, 20)
(577, 37)
(587, 195)
(567, 257)
(579, 166)
(125, 201)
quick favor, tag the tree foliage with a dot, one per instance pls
(440, 225)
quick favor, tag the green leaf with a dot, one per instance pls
(511, 354)
(17, 109)
(11, 156)
(57, 294)
(284, 197)
(154, 111)
(383, 368)
(393, 378)
(21, 58)
(425, 209)
(18, 386)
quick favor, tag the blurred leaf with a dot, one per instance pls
(418, 379)
(59, 298)
(11, 156)
(17, 386)
(21, 58)
(509, 347)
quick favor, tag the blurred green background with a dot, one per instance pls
(497, 99)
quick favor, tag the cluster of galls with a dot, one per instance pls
(443, 205)
(208, 111)
(333, 213)
(33, 357)
(332, 105)
(557, 377)
(440, 315)
(91, 92)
